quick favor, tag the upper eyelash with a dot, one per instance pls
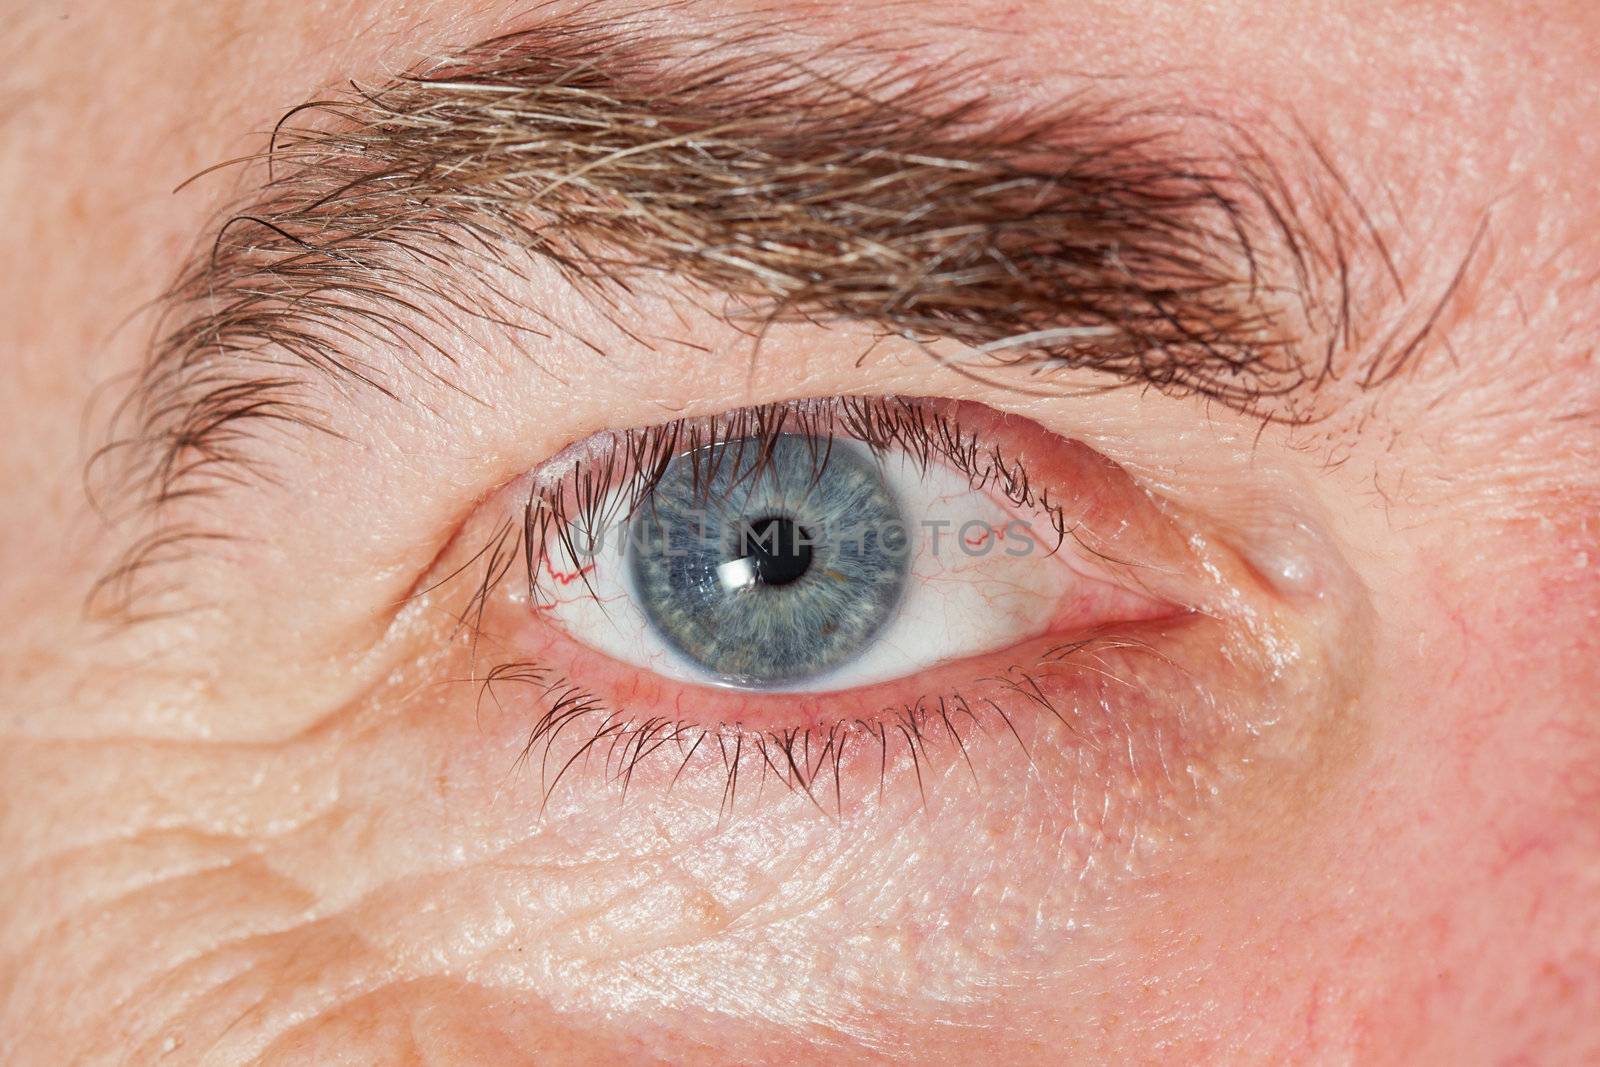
(582, 500)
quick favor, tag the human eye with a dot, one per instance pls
(846, 592)
(820, 547)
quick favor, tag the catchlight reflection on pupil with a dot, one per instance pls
(766, 563)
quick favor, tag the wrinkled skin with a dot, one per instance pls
(271, 834)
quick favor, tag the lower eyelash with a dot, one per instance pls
(802, 759)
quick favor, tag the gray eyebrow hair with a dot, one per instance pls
(761, 180)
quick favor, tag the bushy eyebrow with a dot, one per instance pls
(765, 183)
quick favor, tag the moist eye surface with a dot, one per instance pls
(767, 562)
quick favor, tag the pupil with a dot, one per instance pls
(778, 550)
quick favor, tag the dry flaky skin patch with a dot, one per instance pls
(1079, 235)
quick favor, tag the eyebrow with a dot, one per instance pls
(765, 183)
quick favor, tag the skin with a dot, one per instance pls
(270, 834)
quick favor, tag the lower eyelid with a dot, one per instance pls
(626, 690)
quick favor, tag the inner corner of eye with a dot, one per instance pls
(829, 549)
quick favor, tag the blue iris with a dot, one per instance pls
(767, 561)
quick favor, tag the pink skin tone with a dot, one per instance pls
(280, 834)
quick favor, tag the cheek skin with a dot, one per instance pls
(1345, 902)
(1442, 909)
(1349, 905)
(1479, 833)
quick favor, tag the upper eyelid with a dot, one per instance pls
(362, 232)
(620, 471)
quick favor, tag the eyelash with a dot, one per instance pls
(636, 460)
(575, 494)
(797, 757)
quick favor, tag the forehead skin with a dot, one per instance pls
(1465, 882)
